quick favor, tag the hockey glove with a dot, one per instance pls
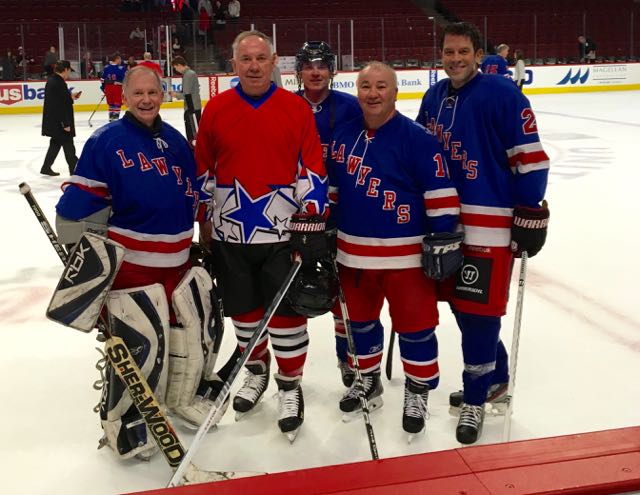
(442, 254)
(308, 238)
(529, 230)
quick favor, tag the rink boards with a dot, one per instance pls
(28, 97)
(599, 462)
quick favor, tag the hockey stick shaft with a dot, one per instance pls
(388, 369)
(216, 411)
(96, 109)
(364, 403)
(122, 362)
(515, 345)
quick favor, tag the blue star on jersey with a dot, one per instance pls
(316, 194)
(249, 214)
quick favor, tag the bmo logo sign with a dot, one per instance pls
(15, 93)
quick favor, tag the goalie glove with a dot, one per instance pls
(308, 238)
(529, 230)
(442, 254)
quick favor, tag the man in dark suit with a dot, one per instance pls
(57, 118)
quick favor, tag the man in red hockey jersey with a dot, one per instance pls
(260, 146)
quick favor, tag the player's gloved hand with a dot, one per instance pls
(307, 237)
(529, 230)
(442, 254)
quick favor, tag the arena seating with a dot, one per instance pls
(549, 29)
(397, 31)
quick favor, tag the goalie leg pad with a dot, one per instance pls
(140, 316)
(192, 346)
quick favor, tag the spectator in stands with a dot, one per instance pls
(147, 62)
(205, 13)
(136, 34)
(586, 49)
(220, 15)
(518, 71)
(22, 63)
(176, 47)
(57, 118)
(8, 64)
(87, 68)
(497, 64)
(50, 58)
(234, 10)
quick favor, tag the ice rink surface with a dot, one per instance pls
(579, 358)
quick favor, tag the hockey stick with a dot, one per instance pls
(95, 109)
(128, 371)
(389, 365)
(216, 411)
(515, 344)
(364, 403)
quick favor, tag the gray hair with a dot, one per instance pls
(135, 70)
(246, 34)
(502, 46)
(375, 64)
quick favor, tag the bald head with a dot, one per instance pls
(377, 93)
(379, 67)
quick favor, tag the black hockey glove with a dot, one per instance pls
(529, 230)
(308, 238)
(442, 254)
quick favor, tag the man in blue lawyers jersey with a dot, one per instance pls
(488, 133)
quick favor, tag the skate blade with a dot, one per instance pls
(374, 405)
(291, 435)
(411, 436)
(250, 412)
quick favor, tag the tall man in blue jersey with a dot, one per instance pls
(393, 195)
(488, 133)
(315, 68)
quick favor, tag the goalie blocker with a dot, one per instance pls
(85, 282)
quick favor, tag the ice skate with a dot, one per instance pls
(496, 405)
(346, 373)
(290, 405)
(470, 423)
(415, 411)
(350, 402)
(255, 384)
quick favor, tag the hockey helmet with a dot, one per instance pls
(315, 51)
(314, 290)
